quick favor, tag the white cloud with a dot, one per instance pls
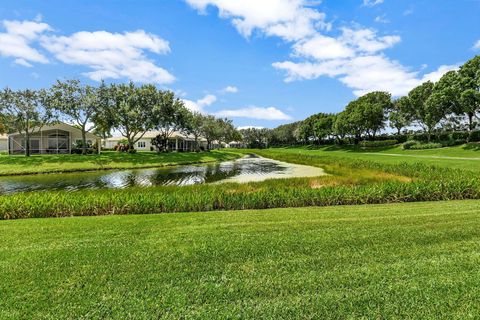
(382, 19)
(253, 112)
(356, 57)
(249, 127)
(200, 104)
(322, 47)
(16, 41)
(371, 3)
(437, 74)
(367, 40)
(288, 19)
(112, 55)
(476, 46)
(229, 89)
(363, 74)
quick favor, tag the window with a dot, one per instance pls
(141, 144)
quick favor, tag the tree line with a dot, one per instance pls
(129, 109)
(451, 104)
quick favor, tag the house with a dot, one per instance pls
(177, 142)
(236, 144)
(3, 143)
(57, 138)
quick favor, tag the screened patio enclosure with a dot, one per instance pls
(43, 142)
(55, 139)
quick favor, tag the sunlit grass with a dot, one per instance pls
(404, 261)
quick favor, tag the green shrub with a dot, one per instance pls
(376, 144)
(417, 145)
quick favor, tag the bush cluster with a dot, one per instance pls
(378, 143)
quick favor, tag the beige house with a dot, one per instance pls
(177, 142)
(52, 139)
(3, 143)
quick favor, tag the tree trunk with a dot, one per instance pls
(197, 149)
(470, 121)
(399, 131)
(84, 142)
(130, 144)
(27, 144)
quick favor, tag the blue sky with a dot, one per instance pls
(261, 63)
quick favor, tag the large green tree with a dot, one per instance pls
(425, 107)
(129, 110)
(25, 112)
(77, 104)
(170, 115)
(398, 117)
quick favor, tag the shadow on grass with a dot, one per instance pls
(114, 157)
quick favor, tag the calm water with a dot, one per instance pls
(250, 168)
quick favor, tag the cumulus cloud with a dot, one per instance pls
(288, 19)
(17, 41)
(477, 45)
(106, 54)
(229, 89)
(382, 19)
(200, 104)
(253, 112)
(112, 55)
(372, 3)
(437, 74)
(356, 56)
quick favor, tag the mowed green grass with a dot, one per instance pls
(459, 157)
(11, 165)
(417, 260)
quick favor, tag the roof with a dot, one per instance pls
(153, 134)
(61, 126)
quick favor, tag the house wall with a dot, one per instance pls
(145, 144)
(3, 145)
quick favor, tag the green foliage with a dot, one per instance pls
(376, 144)
(416, 145)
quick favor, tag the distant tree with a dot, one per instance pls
(211, 130)
(323, 125)
(284, 134)
(75, 103)
(129, 110)
(196, 127)
(397, 116)
(469, 87)
(255, 137)
(24, 112)
(341, 126)
(170, 115)
(372, 108)
(423, 110)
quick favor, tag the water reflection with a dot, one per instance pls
(250, 168)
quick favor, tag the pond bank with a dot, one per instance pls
(70, 163)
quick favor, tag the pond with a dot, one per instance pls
(247, 169)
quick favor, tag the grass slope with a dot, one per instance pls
(460, 157)
(12, 165)
(377, 261)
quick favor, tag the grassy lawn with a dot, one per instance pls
(461, 157)
(11, 165)
(377, 261)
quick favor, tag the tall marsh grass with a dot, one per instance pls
(351, 182)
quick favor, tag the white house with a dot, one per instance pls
(51, 139)
(3, 143)
(177, 142)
